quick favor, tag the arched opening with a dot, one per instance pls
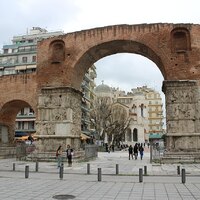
(128, 135)
(148, 72)
(180, 40)
(135, 135)
(17, 118)
(57, 51)
(141, 83)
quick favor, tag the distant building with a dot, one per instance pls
(87, 87)
(20, 57)
(144, 108)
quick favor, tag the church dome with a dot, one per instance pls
(102, 89)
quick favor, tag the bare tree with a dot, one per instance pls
(109, 119)
(100, 115)
(119, 121)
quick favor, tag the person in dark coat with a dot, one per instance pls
(69, 153)
(141, 150)
(135, 150)
(130, 152)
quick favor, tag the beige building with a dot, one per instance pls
(155, 109)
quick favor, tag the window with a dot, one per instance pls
(5, 50)
(24, 59)
(31, 110)
(21, 125)
(14, 50)
(142, 110)
(31, 125)
(33, 58)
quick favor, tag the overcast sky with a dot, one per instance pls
(125, 71)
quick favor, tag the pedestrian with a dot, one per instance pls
(59, 156)
(135, 150)
(107, 148)
(113, 147)
(69, 152)
(130, 152)
(30, 138)
(141, 150)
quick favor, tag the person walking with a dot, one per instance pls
(130, 152)
(59, 156)
(69, 153)
(135, 150)
(141, 150)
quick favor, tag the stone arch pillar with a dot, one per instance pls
(59, 118)
(182, 115)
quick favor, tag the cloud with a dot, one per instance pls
(128, 70)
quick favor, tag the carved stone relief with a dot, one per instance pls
(59, 112)
(182, 113)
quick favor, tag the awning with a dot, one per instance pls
(155, 136)
(25, 119)
(31, 66)
(84, 137)
(22, 67)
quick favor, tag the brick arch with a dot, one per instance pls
(10, 109)
(8, 113)
(99, 51)
(154, 41)
(178, 62)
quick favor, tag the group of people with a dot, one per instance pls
(69, 153)
(134, 151)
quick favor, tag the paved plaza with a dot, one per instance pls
(119, 180)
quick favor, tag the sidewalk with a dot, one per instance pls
(162, 181)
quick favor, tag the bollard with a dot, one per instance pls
(183, 175)
(36, 166)
(117, 169)
(145, 170)
(99, 174)
(140, 175)
(88, 168)
(26, 171)
(178, 170)
(13, 166)
(61, 171)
